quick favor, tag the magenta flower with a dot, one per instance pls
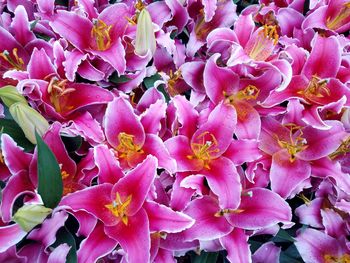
(127, 217)
(293, 148)
(316, 246)
(100, 36)
(202, 153)
(132, 138)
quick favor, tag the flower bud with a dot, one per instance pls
(29, 216)
(10, 95)
(145, 38)
(345, 119)
(29, 120)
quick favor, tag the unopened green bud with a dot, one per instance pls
(10, 95)
(29, 120)
(145, 38)
(29, 216)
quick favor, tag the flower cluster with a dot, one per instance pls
(148, 131)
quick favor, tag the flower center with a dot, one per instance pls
(119, 208)
(14, 60)
(343, 149)
(266, 39)
(222, 212)
(316, 89)
(203, 149)
(126, 145)
(201, 28)
(174, 77)
(334, 259)
(296, 142)
(101, 32)
(248, 93)
(336, 22)
(58, 91)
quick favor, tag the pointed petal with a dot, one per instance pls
(152, 117)
(15, 158)
(224, 181)
(325, 58)
(321, 143)
(236, 244)
(241, 151)
(93, 200)
(218, 80)
(20, 26)
(286, 175)
(134, 237)
(261, 204)
(66, 24)
(268, 252)
(10, 236)
(96, 245)
(46, 234)
(179, 149)
(120, 117)
(248, 121)
(115, 56)
(162, 218)
(221, 124)
(40, 65)
(137, 184)
(59, 255)
(109, 169)
(16, 186)
(207, 226)
(186, 115)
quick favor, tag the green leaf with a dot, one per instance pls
(118, 79)
(11, 128)
(61, 2)
(33, 24)
(149, 81)
(64, 236)
(50, 185)
(72, 143)
(283, 236)
(206, 257)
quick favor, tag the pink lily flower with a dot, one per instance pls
(214, 222)
(202, 151)
(132, 138)
(203, 25)
(316, 246)
(127, 216)
(101, 37)
(55, 95)
(334, 16)
(223, 84)
(317, 86)
(293, 148)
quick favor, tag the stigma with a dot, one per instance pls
(118, 208)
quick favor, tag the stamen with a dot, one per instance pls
(343, 149)
(204, 149)
(101, 32)
(222, 212)
(294, 145)
(15, 61)
(119, 208)
(250, 92)
(58, 91)
(126, 145)
(317, 88)
(340, 19)
(335, 259)
(174, 77)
